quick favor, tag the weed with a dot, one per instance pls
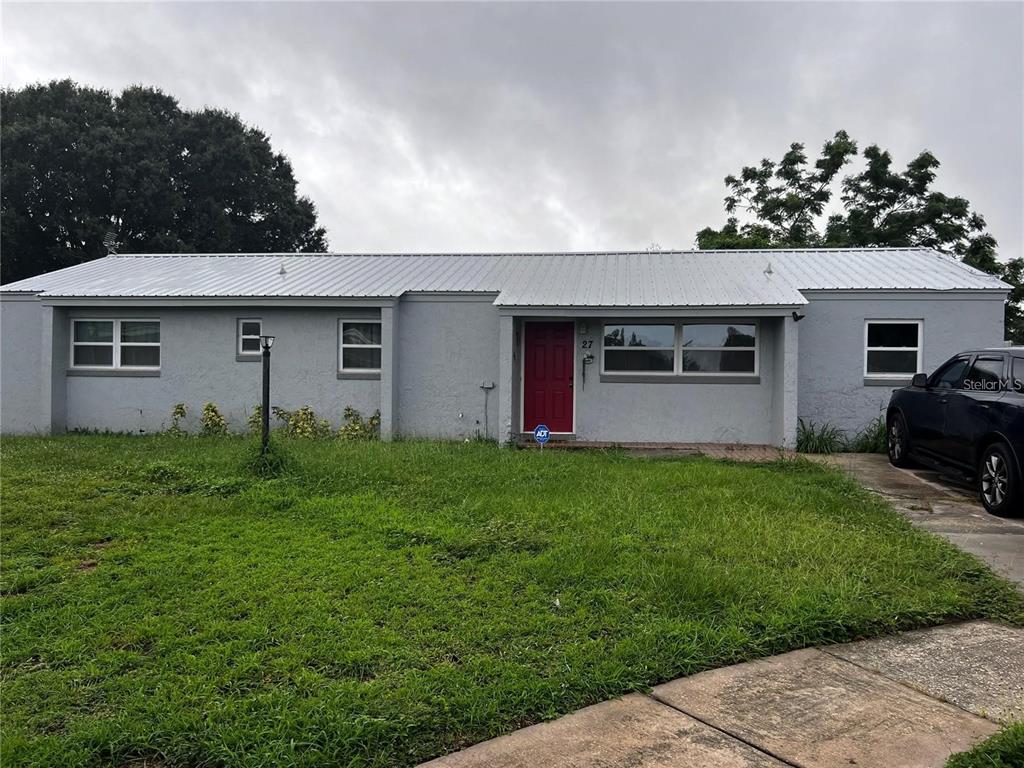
(811, 438)
(871, 439)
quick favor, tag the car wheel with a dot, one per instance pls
(999, 481)
(897, 442)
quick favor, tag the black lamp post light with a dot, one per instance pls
(266, 342)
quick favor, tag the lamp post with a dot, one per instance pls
(266, 342)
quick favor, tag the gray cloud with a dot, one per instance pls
(576, 126)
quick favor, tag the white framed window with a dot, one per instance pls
(633, 348)
(685, 348)
(360, 346)
(115, 344)
(716, 349)
(249, 331)
(892, 348)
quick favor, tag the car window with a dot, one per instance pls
(986, 375)
(949, 376)
(1017, 382)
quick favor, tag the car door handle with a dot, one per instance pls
(943, 399)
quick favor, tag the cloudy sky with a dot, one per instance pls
(576, 126)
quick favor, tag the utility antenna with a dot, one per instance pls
(110, 243)
(282, 272)
(768, 270)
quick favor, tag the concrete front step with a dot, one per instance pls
(872, 703)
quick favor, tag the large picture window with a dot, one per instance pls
(892, 348)
(115, 344)
(680, 349)
(719, 348)
(639, 348)
(360, 346)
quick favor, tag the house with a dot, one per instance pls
(730, 346)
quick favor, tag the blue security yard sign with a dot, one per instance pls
(541, 434)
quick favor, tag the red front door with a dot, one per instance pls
(548, 376)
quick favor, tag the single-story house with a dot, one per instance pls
(724, 347)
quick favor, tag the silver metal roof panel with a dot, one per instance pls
(612, 279)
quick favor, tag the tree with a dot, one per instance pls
(81, 167)
(880, 207)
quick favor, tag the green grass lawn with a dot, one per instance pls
(1004, 750)
(382, 604)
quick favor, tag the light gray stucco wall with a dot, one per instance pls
(21, 346)
(831, 381)
(692, 412)
(448, 347)
(198, 365)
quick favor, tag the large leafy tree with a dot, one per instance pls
(84, 170)
(787, 204)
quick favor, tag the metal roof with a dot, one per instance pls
(613, 279)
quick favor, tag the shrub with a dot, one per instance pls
(304, 423)
(356, 428)
(213, 422)
(871, 439)
(255, 420)
(281, 415)
(812, 438)
(178, 413)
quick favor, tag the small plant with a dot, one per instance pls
(213, 422)
(871, 439)
(178, 414)
(812, 438)
(304, 423)
(255, 420)
(281, 414)
(356, 428)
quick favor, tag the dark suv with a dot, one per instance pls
(967, 417)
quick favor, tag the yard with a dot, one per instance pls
(380, 604)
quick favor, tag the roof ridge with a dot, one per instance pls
(497, 254)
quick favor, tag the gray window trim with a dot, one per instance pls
(686, 378)
(134, 373)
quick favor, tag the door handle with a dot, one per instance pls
(943, 399)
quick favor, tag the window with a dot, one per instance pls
(249, 332)
(719, 348)
(892, 348)
(639, 348)
(360, 346)
(1018, 375)
(986, 375)
(950, 375)
(115, 344)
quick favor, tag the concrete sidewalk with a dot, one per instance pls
(908, 700)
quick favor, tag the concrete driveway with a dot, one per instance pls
(940, 506)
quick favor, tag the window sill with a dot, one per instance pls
(887, 381)
(113, 372)
(363, 375)
(641, 378)
(251, 358)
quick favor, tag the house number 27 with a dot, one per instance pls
(588, 343)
